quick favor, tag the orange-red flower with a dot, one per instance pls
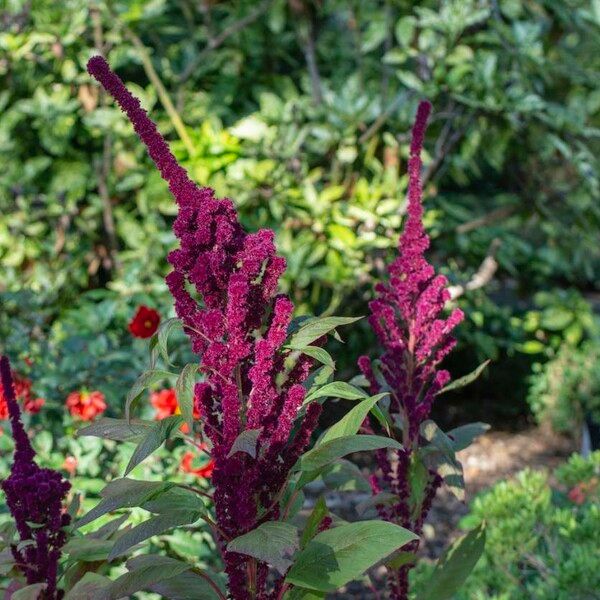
(144, 323)
(70, 465)
(24, 394)
(86, 405)
(165, 404)
(583, 491)
(186, 465)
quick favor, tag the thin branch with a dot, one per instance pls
(215, 42)
(161, 91)
(482, 276)
(491, 217)
(307, 38)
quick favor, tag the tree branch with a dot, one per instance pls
(215, 42)
(161, 91)
(482, 276)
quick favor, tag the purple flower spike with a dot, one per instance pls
(35, 499)
(406, 316)
(224, 283)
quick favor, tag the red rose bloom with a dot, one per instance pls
(164, 403)
(144, 323)
(24, 395)
(86, 405)
(186, 466)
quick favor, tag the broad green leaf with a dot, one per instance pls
(351, 422)
(245, 442)
(272, 542)
(329, 451)
(186, 586)
(455, 565)
(154, 438)
(87, 549)
(313, 329)
(143, 382)
(146, 571)
(176, 496)
(153, 526)
(119, 430)
(463, 436)
(124, 493)
(30, 592)
(319, 354)
(297, 593)
(318, 378)
(311, 527)
(184, 390)
(91, 586)
(466, 380)
(336, 556)
(337, 389)
(344, 476)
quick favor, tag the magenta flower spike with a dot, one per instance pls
(224, 283)
(35, 499)
(406, 316)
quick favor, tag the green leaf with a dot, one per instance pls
(455, 565)
(313, 329)
(352, 421)
(336, 556)
(143, 382)
(87, 549)
(186, 586)
(297, 593)
(124, 493)
(319, 354)
(153, 526)
(30, 592)
(337, 389)
(91, 586)
(272, 542)
(311, 527)
(466, 380)
(314, 460)
(162, 338)
(146, 571)
(154, 438)
(119, 430)
(184, 390)
(462, 437)
(344, 476)
(245, 442)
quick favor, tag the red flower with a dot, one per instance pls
(165, 404)
(86, 405)
(144, 323)
(24, 395)
(186, 466)
(70, 465)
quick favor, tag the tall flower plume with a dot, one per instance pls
(224, 282)
(35, 499)
(406, 316)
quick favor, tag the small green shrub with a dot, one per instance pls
(542, 541)
(567, 387)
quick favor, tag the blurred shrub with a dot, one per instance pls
(541, 542)
(301, 115)
(567, 388)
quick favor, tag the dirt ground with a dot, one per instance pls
(495, 456)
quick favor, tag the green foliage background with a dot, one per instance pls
(300, 111)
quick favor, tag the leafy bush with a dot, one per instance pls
(567, 388)
(541, 540)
